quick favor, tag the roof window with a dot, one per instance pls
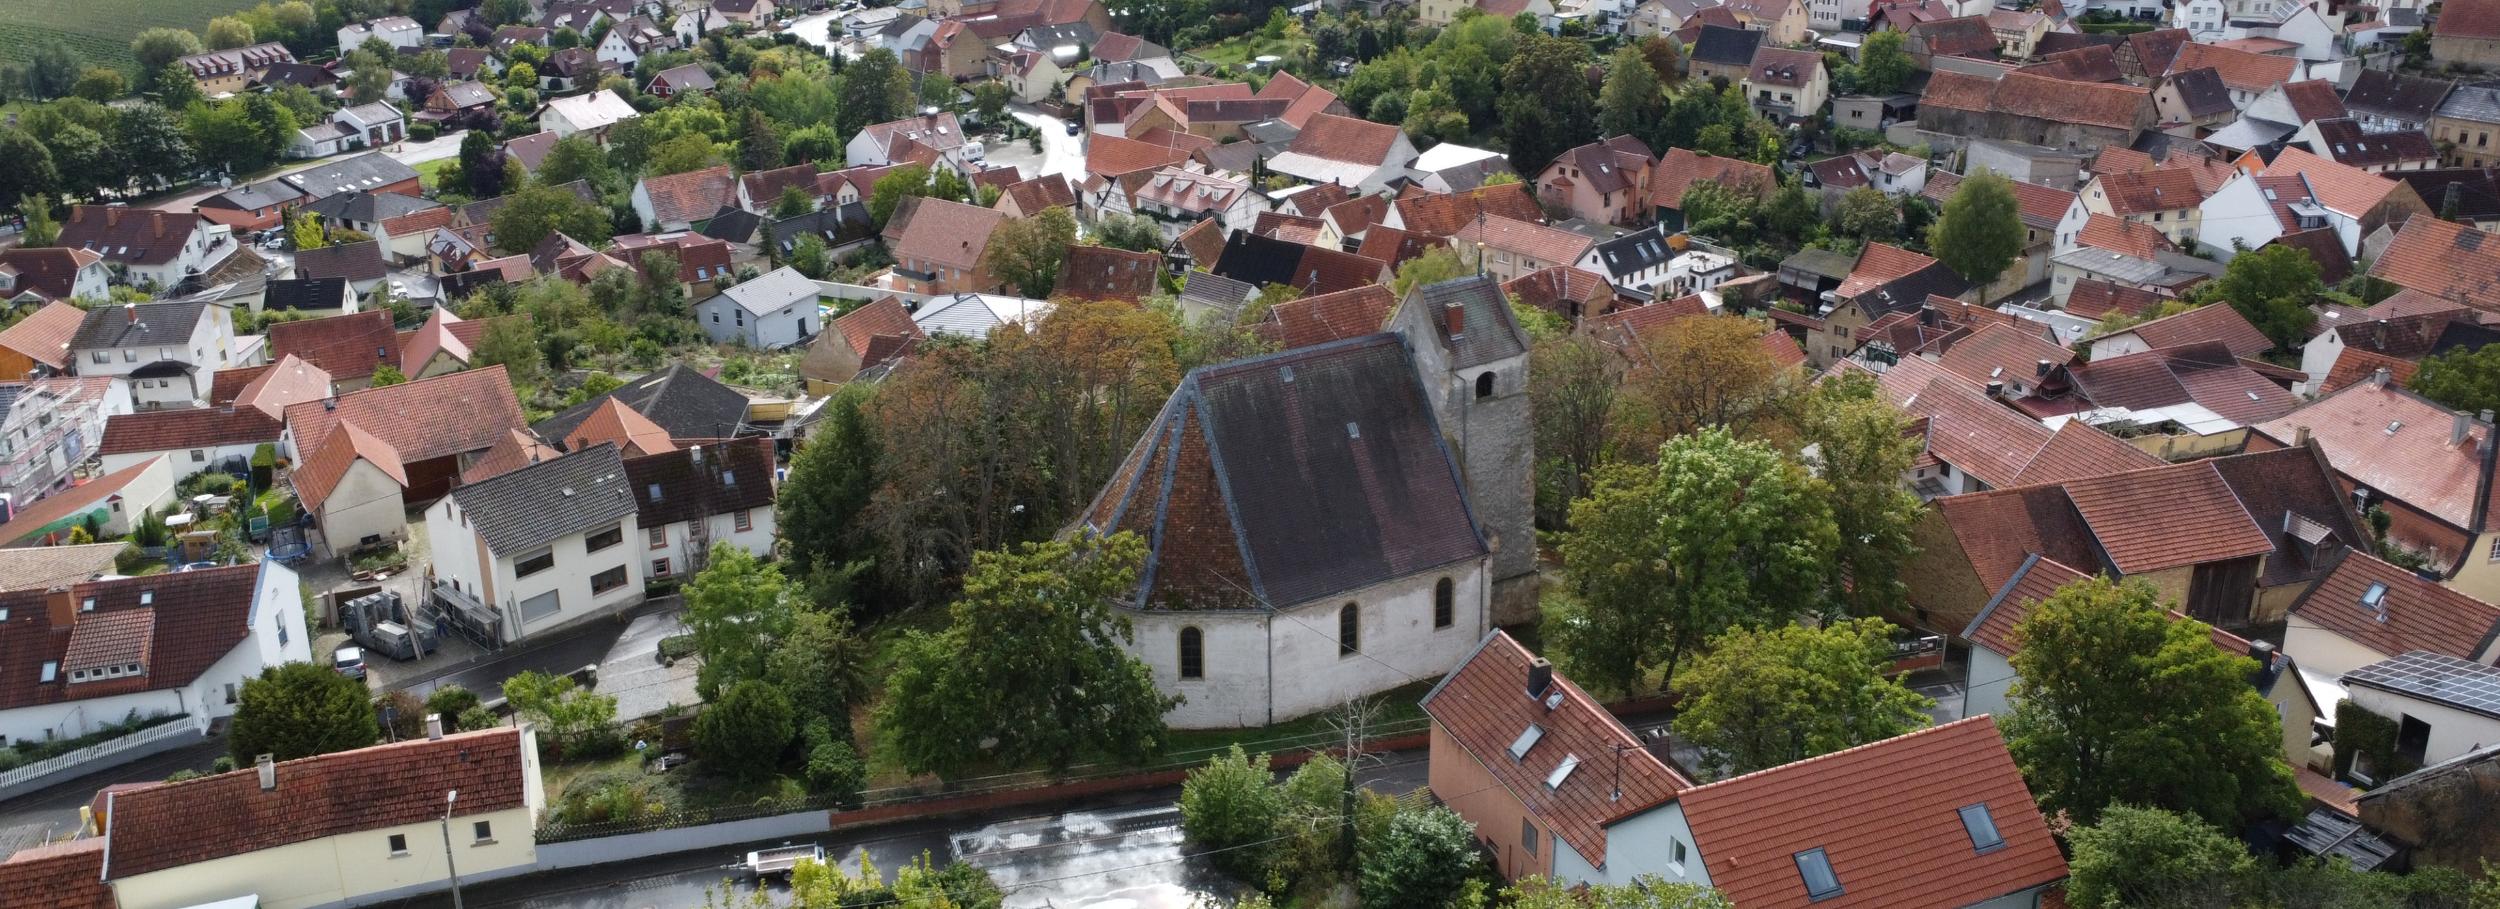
(1982, 828)
(1816, 869)
(1527, 739)
(1562, 771)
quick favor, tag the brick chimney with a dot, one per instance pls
(1540, 677)
(130, 313)
(1454, 315)
(60, 606)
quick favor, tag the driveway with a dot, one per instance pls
(1061, 153)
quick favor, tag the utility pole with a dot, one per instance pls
(1353, 722)
(451, 797)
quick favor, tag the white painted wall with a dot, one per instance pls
(1987, 683)
(677, 539)
(2237, 212)
(366, 503)
(2453, 731)
(340, 869)
(277, 636)
(184, 461)
(1644, 844)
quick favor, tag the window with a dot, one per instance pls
(1527, 739)
(2495, 551)
(130, 356)
(1484, 385)
(1527, 836)
(399, 844)
(103, 356)
(746, 520)
(1444, 603)
(1676, 853)
(654, 490)
(198, 455)
(1349, 631)
(540, 606)
(484, 831)
(1193, 653)
(716, 318)
(659, 537)
(659, 568)
(229, 692)
(534, 564)
(605, 538)
(1562, 771)
(608, 580)
(1982, 828)
(1816, 869)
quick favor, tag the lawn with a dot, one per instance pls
(99, 30)
(1239, 50)
(430, 173)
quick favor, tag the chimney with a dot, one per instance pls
(130, 312)
(2379, 378)
(268, 767)
(2040, 371)
(2300, 435)
(433, 726)
(61, 607)
(1540, 677)
(2263, 651)
(2458, 427)
(1996, 389)
(1455, 315)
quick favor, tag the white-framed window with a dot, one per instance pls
(399, 845)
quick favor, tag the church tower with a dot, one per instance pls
(1472, 358)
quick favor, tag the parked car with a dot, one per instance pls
(1076, 127)
(350, 662)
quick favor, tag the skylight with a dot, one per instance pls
(1982, 828)
(1527, 739)
(1562, 771)
(1816, 869)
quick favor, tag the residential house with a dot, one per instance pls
(1634, 265)
(631, 39)
(592, 113)
(396, 31)
(2467, 33)
(348, 129)
(315, 297)
(269, 388)
(670, 82)
(1884, 279)
(106, 506)
(1787, 85)
(353, 487)
(1940, 43)
(1107, 273)
(2356, 349)
(145, 247)
(775, 310)
(2465, 122)
(2204, 323)
(1359, 154)
(252, 206)
(2442, 259)
(2441, 707)
(2033, 110)
(2429, 470)
(41, 276)
(690, 499)
(864, 338)
(1560, 289)
(975, 316)
(749, 13)
(226, 72)
(347, 347)
(179, 644)
(193, 441)
(165, 350)
(2356, 203)
(2388, 102)
(1256, 260)
(1506, 248)
(2018, 32)
(344, 828)
(1605, 181)
(683, 201)
(929, 139)
(1183, 193)
(1781, 22)
(2167, 200)
(2194, 102)
(1510, 737)
(1679, 169)
(371, 172)
(2343, 141)
(2128, 254)
(434, 425)
(540, 547)
(1723, 52)
(39, 344)
(843, 229)
(572, 69)
(939, 246)
(2366, 610)
(465, 101)
(50, 428)
(687, 403)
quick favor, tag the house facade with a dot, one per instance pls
(165, 645)
(688, 500)
(776, 310)
(542, 546)
(165, 350)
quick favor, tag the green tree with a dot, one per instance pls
(52, 71)
(2115, 702)
(100, 84)
(822, 661)
(157, 48)
(482, 169)
(873, 89)
(1032, 667)
(793, 202)
(831, 480)
(386, 375)
(1762, 698)
(1546, 104)
(810, 258)
(30, 171)
(759, 143)
(736, 608)
(1135, 233)
(1424, 859)
(41, 228)
(148, 141)
(746, 730)
(513, 345)
(1573, 381)
(572, 718)
(539, 209)
(1981, 230)
(450, 702)
(228, 32)
(368, 76)
(1861, 454)
(1720, 532)
(989, 101)
(2148, 858)
(296, 710)
(176, 89)
(1230, 811)
(576, 157)
(1884, 66)
(1645, 892)
(1026, 253)
(2271, 288)
(2462, 379)
(688, 152)
(304, 228)
(890, 191)
(1632, 103)
(1867, 214)
(1436, 265)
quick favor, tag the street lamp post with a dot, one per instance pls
(451, 797)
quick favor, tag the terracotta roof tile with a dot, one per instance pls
(940, 231)
(194, 619)
(422, 419)
(633, 434)
(2079, 450)
(1893, 837)
(2164, 518)
(1681, 168)
(2094, 299)
(59, 876)
(2449, 261)
(1113, 156)
(326, 466)
(2042, 207)
(1203, 241)
(1879, 264)
(2342, 187)
(1433, 214)
(2354, 365)
(691, 196)
(2125, 237)
(1562, 290)
(43, 336)
(2412, 613)
(2144, 192)
(2205, 323)
(2040, 97)
(1308, 321)
(1538, 243)
(2241, 70)
(2004, 353)
(1485, 706)
(514, 451)
(346, 347)
(2039, 579)
(764, 187)
(175, 824)
(167, 430)
(1041, 192)
(1970, 431)
(64, 503)
(884, 317)
(1345, 139)
(2396, 444)
(1107, 273)
(2476, 19)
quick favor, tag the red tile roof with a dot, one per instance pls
(43, 336)
(2042, 206)
(327, 465)
(49, 271)
(59, 876)
(1113, 156)
(194, 619)
(691, 196)
(1681, 168)
(2446, 260)
(1432, 214)
(422, 419)
(1307, 321)
(2206, 323)
(2239, 69)
(2149, 520)
(168, 430)
(929, 230)
(2129, 238)
(514, 451)
(2078, 450)
(2341, 187)
(2148, 191)
(1973, 432)
(1346, 139)
(2093, 299)
(1887, 817)
(2476, 19)
(2004, 353)
(397, 785)
(2314, 99)
(885, 317)
(2036, 581)
(2357, 365)
(346, 347)
(135, 236)
(1536, 242)
(1880, 264)
(633, 434)
(1562, 290)
(1107, 273)
(2395, 443)
(2413, 613)
(74, 500)
(1485, 705)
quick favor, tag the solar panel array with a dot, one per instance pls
(2431, 676)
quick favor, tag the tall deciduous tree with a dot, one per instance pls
(157, 48)
(737, 609)
(52, 70)
(2118, 702)
(2462, 379)
(42, 229)
(2271, 288)
(30, 171)
(1883, 64)
(1697, 372)
(299, 710)
(227, 32)
(482, 164)
(1981, 230)
(1719, 532)
(1867, 214)
(540, 209)
(890, 191)
(1631, 104)
(1027, 252)
(1861, 454)
(831, 480)
(148, 140)
(1032, 667)
(1546, 104)
(2146, 857)
(1764, 698)
(873, 89)
(1573, 381)
(512, 344)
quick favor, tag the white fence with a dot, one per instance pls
(107, 753)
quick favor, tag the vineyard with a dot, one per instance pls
(99, 30)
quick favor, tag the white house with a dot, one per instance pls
(776, 310)
(542, 546)
(163, 645)
(692, 498)
(53, 427)
(905, 140)
(2366, 611)
(592, 113)
(2443, 706)
(194, 440)
(145, 247)
(165, 350)
(1635, 263)
(629, 40)
(348, 129)
(373, 825)
(396, 31)
(2245, 213)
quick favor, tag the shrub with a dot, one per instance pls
(744, 734)
(834, 769)
(1425, 857)
(1229, 810)
(452, 702)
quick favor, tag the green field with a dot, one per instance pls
(99, 30)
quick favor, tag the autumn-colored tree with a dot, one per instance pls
(1696, 372)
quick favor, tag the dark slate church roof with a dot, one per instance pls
(1290, 478)
(1487, 333)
